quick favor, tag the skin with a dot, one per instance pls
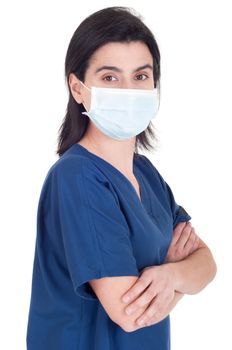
(127, 57)
(184, 242)
(189, 264)
(185, 276)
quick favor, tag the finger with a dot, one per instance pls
(190, 243)
(144, 299)
(156, 305)
(177, 232)
(184, 236)
(158, 316)
(196, 244)
(197, 241)
(147, 315)
(141, 284)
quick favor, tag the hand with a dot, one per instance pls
(157, 287)
(184, 242)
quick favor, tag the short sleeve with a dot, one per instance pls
(179, 214)
(94, 230)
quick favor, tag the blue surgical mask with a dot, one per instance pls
(122, 113)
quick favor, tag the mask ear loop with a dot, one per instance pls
(83, 102)
(85, 85)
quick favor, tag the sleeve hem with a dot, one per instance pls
(84, 290)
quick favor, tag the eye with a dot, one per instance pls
(109, 78)
(140, 76)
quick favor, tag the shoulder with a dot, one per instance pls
(76, 175)
(74, 166)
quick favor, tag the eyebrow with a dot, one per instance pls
(116, 69)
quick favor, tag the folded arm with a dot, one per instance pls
(193, 273)
(186, 276)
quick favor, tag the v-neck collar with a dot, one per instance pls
(118, 172)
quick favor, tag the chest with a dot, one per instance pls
(150, 225)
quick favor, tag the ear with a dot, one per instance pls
(75, 87)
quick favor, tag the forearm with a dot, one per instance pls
(193, 273)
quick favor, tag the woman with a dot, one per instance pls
(108, 225)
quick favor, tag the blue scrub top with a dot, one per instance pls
(92, 224)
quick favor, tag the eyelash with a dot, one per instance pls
(137, 76)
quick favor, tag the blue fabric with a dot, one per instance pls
(92, 224)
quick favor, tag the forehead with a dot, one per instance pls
(124, 55)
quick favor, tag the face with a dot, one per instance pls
(115, 65)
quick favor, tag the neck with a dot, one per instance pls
(119, 153)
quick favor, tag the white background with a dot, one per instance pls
(193, 126)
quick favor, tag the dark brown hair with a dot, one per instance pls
(112, 24)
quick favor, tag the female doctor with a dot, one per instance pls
(114, 252)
